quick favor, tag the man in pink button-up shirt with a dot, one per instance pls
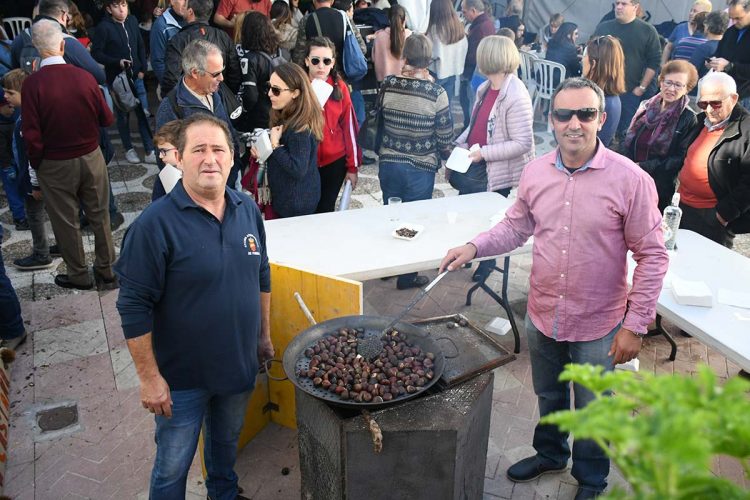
(586, 206)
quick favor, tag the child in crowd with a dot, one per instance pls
(165, 140)
(28, 187)
(8, 170)
(117, 44)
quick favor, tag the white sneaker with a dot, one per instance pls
(150, 158)
(132, 156)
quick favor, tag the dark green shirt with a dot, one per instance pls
(640, 44)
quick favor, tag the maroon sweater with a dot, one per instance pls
(62, 111)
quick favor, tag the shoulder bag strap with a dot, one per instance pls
(317, 23)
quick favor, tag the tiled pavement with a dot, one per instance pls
(76, 353)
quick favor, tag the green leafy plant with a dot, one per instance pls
(663, 432)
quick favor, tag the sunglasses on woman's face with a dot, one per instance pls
(276, 91)
(316, 60)
(583, 114)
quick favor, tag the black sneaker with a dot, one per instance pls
(531, 468)
(32, 262)
(103, 283)
(116, 221)
(54, 251)
(22, 225)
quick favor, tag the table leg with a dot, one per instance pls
(500, 299)
(661, 331)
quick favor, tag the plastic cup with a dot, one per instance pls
(394, 200)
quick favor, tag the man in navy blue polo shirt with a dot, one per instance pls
(195, 303)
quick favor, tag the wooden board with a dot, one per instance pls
(327, 297)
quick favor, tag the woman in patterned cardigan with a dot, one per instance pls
(417, 130)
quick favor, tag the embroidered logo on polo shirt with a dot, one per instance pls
(251, 243)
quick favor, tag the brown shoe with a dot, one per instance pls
(64, 281)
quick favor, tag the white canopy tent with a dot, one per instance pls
(587, 13)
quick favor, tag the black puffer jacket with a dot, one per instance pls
(190, 32)
(729, 168)
(664, 169)
(256, 70)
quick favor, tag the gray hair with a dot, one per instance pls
(716, 22)
(46, 35)
(745, 4)
(580, 83)
(53, 8)
(718, 78)
(201, 8)
(195, 55)
(477, 5)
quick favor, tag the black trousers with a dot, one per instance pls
(704, 222)
(331, 178)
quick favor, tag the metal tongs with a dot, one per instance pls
(371, 346)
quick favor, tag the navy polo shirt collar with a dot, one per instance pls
(183, 200)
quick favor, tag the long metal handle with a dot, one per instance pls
(305, 309)
(414, 301)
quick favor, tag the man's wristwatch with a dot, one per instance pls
(642, 87)
(639, 334)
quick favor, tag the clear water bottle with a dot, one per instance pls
(670, 222)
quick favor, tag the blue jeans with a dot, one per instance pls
(221, 417)
(548, 358)
(123, 123)
(11, 323)
(449, 84)
(141, 94)
(358, 103)
(9, 175)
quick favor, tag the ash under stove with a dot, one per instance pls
(434, 446)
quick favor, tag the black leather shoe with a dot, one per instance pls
(417, 282)
(54, 251)
(63, 281)
(531, 468)
(584, 493)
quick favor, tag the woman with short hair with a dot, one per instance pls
(654, 137)
(417, 130)
(501, 124)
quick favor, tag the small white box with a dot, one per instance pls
(692, 293)
(498, 326)
(631, 366)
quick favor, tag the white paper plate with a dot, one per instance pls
(407, 225)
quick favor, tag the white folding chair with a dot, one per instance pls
(527, 71)
(546, 73)
(17, 24)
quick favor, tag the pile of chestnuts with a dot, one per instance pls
(405, 232)
(335, 366)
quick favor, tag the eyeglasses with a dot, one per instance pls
(214, 75)
(583, 114)
(276, 91)
(164, 151)
(674, 85)
(316, 60)
(713, 104)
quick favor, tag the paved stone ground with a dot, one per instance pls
(76, 354)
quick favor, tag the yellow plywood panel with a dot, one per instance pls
(327, 298)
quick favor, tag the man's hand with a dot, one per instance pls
(265, 349)
(36, 194)
(124, 63)
(638, 91)
(717, 63)
(625, 347)
(457, 257)
(352, 177)
(155, 396)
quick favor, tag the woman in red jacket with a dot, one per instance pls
(339, 155)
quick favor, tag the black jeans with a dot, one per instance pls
(704, 222)
(331, 178)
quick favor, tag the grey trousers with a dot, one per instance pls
(35, 216)
(65, 184)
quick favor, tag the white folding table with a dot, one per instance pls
(358, 244)
(722, 327)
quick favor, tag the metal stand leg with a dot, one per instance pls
(500, 299)
(661, 331)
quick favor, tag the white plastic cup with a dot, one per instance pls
(394, 200)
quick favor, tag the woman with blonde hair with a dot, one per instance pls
(449, 44)
(501, 124)
(389, 44)
(604, 64)
(296, 129)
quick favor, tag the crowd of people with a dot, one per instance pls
(628, 138)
